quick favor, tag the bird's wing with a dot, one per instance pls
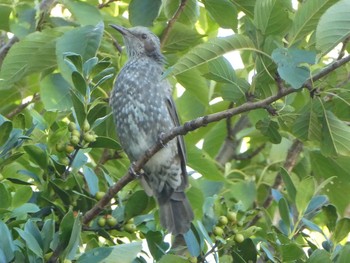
(180, 140)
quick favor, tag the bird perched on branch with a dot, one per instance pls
(143, 110)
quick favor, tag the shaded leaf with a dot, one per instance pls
(223, 12)
(307, 17)
(189, 15)
(208, 51)
(54, 93)
(342, 230)
(305, 192)
(291, 190)
(83, 41)
(335, 136)
(84, 13)
(333, 27)
(143, 12)
(271, 16)
(35, 53)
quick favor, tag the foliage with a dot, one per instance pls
(270, 181)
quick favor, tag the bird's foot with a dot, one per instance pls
(161, 139)
(132, 171)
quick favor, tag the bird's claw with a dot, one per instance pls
(161, 139)
(132, 171)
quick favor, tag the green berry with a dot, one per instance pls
(69, 148)
(101, 221)
(218, 231)
(99, 195)
(232, 216)
(239, 238)
(131, 228)
(74, 140)
(86, 125)
(60, 147)
(223, 220)
(111, 221)
(72, 126)
(89, 137)
(76, 133)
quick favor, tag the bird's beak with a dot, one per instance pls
(120, 29)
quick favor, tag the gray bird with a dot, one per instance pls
(143, 110)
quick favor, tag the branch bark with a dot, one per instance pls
(195, 124)
(171, 23)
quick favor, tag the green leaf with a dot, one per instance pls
(91, 180)
(243, 191)
(136, 204)
(31, 243)
(105, 142)
(6, 242)
(235, 91)
(305, 192)
(5, 197)
(24, 209)
(344, 254)
(210, 50)
(290, 68)
(21, 196)
(335, 136)
(318, 256)
(221, 70)
(271, 16)
(54, 93)
(37, 154)
(83, 41)
(143, 12)
(330, 212)
(5, 131)
(269, 128)
(156, 245)
(35, 53)
(291, 252)
(284, 212)
(306, 18)
(84, 13)
(188, 16)
(89, 65)
(48, 232)
(291, 190)
(79, 82)
(181, 37)
(333, 27)
(325, 167)
(172, 259)
(200, 161)
(342, 230)
(307, 126)
(193, 82)
(116, 254)
(5, 12)
(74, 240)
(223, 12)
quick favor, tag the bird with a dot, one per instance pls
(143, 110)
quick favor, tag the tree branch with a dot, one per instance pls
(193, 125)
(21, 107)
(171, 22)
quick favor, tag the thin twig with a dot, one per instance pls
(100, 6)
(292, 157)
(193, 125)
(171, 23)
(22, 106)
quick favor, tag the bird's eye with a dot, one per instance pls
(143, 36)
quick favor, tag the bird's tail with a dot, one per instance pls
(176, 213)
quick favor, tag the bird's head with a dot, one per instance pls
(140, 41)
